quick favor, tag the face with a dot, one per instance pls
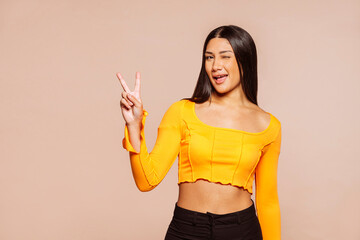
(221, 65)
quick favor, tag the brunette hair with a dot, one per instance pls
(246, 57)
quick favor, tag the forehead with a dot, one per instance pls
(218, 44)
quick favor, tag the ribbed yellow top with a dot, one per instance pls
(222, 155)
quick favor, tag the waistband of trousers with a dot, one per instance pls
(195, 217)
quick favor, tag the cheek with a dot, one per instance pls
(208, 69)
(234, 70)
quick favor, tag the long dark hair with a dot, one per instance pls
(246, 58)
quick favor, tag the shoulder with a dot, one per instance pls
(267, 116)
(270, 122)
(276, 127)
(174, 110)
(177, 106)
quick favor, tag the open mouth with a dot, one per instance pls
(220, 78)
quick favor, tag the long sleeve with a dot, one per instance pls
(267, 201)
(149, 169)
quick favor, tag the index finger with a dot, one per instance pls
(123, 83)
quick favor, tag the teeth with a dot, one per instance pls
(220, 76)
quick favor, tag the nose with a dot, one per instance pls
(217, 65)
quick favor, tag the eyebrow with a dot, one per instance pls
(219, 52)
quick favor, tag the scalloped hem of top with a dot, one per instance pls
(248, 189)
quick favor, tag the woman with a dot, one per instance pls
(224, 141)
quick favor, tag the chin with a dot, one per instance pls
(221, 91)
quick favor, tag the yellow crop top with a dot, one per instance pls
(222, 155)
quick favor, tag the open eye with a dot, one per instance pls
(207, 57)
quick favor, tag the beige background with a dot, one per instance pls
(63, 171)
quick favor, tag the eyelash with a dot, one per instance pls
(206, 57)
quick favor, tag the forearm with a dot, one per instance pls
(267, 200)
(141, 165)
(134, 131)
(147, 171)
(150, 168)
(270, 219)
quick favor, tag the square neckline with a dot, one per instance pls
(230, 129)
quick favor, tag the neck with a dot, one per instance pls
(233, 98)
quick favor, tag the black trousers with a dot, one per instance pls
(191, 225)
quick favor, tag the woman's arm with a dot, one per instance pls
(267, 201)
(149, 169)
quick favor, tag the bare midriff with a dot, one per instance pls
(204, 196)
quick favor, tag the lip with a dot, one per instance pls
(221, 80)
(220, 74)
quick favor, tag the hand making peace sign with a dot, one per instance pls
(130, 103)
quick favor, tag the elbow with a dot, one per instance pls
(145, 183)
(145, 188)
